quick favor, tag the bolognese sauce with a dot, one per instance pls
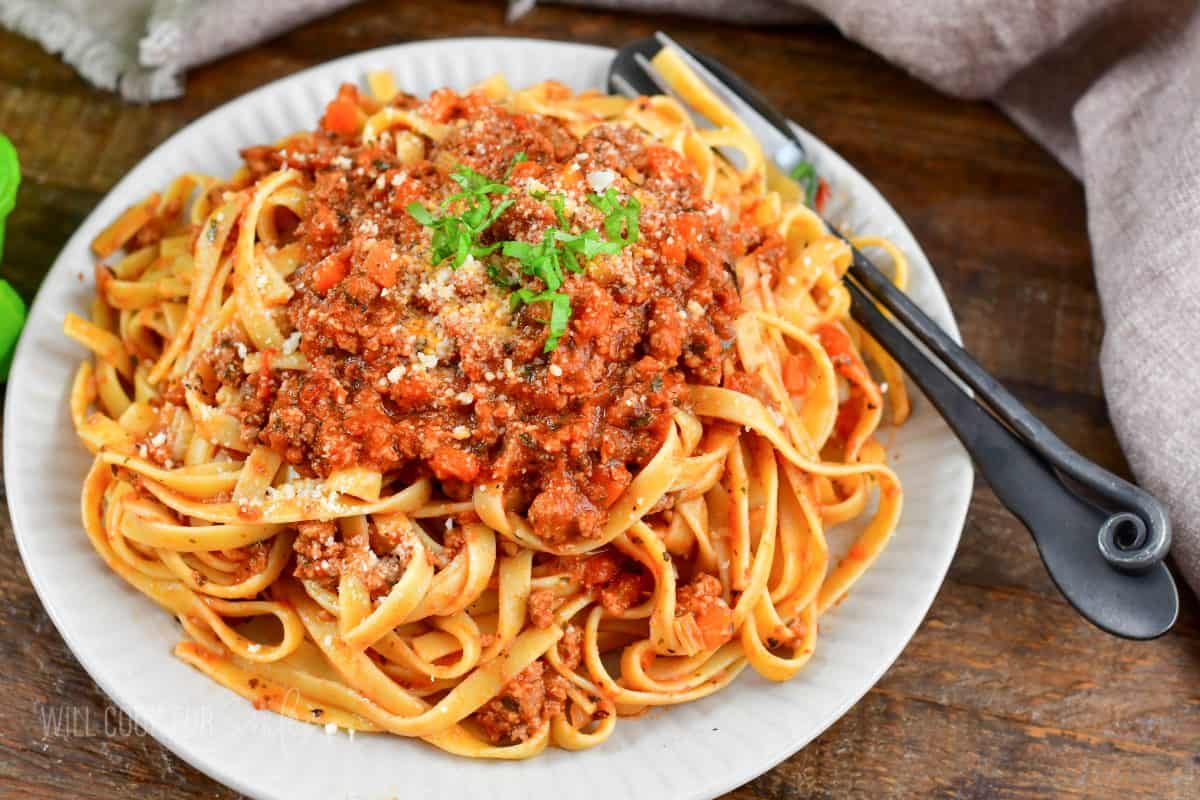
(426, 368)
(333, 388)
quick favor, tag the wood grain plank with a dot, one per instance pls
(893, 746)
(1002, 652)
(39, 226)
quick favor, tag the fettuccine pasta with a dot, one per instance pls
(486, 419)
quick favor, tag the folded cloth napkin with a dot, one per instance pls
(1112, 88)
(142, 47)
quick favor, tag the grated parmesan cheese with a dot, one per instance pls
(438, 288)
(601, 179)
(533, 185)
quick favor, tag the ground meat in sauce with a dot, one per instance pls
(617, 581)
(380, 558)
(318, 550)
(524, 705)
(416, 369)
(702, 599)
(542, 605)
(570, 647)
(251, 559)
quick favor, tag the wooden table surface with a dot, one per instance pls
(1003, 692)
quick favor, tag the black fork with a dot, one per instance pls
(1103, 540)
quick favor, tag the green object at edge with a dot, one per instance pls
(12, 308)
(10, 179)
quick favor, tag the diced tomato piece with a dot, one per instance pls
(795, 373)
(607, 483)
(685, 236)
(822, 196)
(571, 176)
(716, 624)
(849, 413)
(835, 340)
(841, 352)
(381, 265)
(664, 161)
(266, 386)
(341, 116)
(329, 271)
(702, 599)
(454, 462)
(526, 169)
(673, 251)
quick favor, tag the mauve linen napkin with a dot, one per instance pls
(141, 48)
(1111, 87)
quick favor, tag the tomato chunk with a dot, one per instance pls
(329, 271)
(822, 196)
(381, 265)
(841, 352)
(341, 116)
(702, 599)
(795, 374)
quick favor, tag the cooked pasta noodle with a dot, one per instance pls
(485, 419)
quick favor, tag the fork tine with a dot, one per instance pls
(732, 155)
(728, 97)
(665, 88)
(653, 74)
(787, 154)
(625, 87)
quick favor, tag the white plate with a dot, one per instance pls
(693, 751)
